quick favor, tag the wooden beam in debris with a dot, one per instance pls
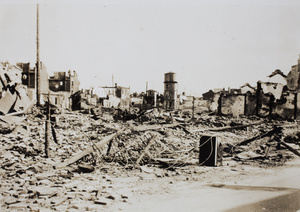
(89, 150)
(154, 127)
(290, 148)
(267, 134)
(146, 150)
(176, 162)
(184, 129)
(235, 127)
(228, 127)
(275, 130)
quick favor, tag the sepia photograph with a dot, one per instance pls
(150, 105)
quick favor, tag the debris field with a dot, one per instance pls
(98, 161)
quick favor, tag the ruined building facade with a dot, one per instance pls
(293, 77)
(170, 91)
(63, 81)
(62, 85)
(151, 98)
(29, 78)
(277, 96)
(104, 96)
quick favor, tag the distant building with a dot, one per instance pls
(117, 96)
(136, 102)
(234, 91)
(84, 100)
(219, 90)
(151, 98)
(208, 95)
(62, 81)
(247, 88)
(293, 77)
(29, 79)
(123, 93)
(111, 97)
(277, 76)
(62, 86)
(28, 75)
(275, 84)
(60, 99)
(170, 91)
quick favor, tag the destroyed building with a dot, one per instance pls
(103, 96)
(137, 100)
(62, 85)
(277, 95)
(84, 100)
(116, 97)
(29, 79)
(247, 88)
(293, 78)
(209, 95)
(150, 99)
(62, 81)
(234, 91)
(212, 98)
(24, 83)
(123, 93)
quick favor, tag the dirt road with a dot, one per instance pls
(276, 189)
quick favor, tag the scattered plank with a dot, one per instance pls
(109, 147)
(86, 168)
(267, 134)
(227, 127)
(49, 192)
(102, 201)
(145, 150)
(176, 162)
(154, 127)
(184, 129)
(58, 200)
(290, 148)
(89, 150)
(234, 127)
(54, 134)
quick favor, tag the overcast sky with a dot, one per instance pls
(209, 44)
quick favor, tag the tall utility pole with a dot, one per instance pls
(193, 108)
(38, 94)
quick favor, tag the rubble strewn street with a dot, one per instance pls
(125, 168)
(113, 135)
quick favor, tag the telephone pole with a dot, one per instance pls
(38, 94)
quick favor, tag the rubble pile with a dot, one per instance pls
(167, 143)
(13, 95)
(266, 147)
(94, 179)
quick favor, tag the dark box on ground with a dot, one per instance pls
(211, 151)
